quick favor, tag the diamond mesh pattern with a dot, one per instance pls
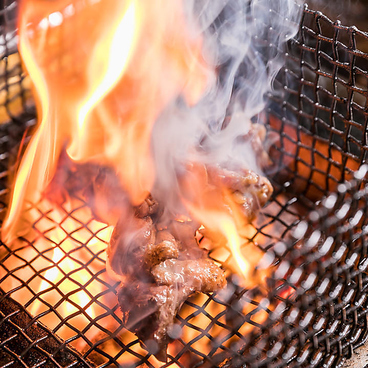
(312, 309)
(25, 342)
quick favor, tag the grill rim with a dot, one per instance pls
(319, 16)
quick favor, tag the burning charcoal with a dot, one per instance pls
(313, 184)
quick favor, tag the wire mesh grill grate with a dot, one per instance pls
(313, 309)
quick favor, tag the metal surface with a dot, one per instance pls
(25, 342)
(311, 312)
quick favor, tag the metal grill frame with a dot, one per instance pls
(320, 253)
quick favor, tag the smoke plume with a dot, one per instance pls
(244, 41)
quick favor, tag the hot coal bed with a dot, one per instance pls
(312, 312)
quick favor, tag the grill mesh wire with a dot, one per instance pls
(313, 310)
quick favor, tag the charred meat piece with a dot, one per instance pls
(158, 271)
(166, 247)
(128, 243)
(249, 189)
(158, 258)
(149, 311)
(257, 136)
(149, 207)
(197, 274)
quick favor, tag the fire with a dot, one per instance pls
(98, 84)
(53, 276)
(78, 102)
(103, 72)
(107, 70)
(69, 254)
(229, 230)
(66, 270)
(224, 224)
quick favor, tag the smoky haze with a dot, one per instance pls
(244, 42)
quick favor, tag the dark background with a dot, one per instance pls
(349, 12)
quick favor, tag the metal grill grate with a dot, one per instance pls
(25, 342)
(313, 309)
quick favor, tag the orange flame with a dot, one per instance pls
(65, 272)
(103, 71)
(100, 86)
(225, 225)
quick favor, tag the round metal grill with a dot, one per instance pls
(312, 309)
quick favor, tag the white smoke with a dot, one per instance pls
(244, 40)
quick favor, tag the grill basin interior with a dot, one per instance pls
(312, 311)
